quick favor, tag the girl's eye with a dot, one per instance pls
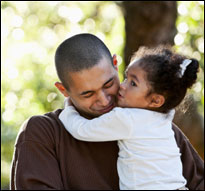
(133, 83)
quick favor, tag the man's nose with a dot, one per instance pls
(103, 99)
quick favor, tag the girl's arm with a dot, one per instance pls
(110, 126)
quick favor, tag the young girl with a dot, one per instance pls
(156, 82)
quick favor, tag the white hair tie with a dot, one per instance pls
(183, 66)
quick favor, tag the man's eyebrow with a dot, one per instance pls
(91, 91)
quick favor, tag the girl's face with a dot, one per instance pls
(134, 90)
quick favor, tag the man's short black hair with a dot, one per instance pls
(82, 51)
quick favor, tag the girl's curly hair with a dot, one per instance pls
(162, 67)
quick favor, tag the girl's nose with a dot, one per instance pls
(122, 86)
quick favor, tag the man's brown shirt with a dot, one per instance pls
(47, 157)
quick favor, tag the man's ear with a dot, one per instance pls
(115, 61)
(157, 100)
(62, 89)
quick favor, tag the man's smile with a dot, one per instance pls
(107, 109)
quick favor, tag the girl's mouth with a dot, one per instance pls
(119, 96)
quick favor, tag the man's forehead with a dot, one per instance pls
(92, 78)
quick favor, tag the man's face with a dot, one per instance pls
(93, 91)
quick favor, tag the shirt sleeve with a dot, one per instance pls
(35, 165)
(193, 165)
(108, 127)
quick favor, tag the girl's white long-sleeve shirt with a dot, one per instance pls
(148, 154)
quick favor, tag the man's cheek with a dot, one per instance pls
(115, 90)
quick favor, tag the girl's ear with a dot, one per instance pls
(157, 101)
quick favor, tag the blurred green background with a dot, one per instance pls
(30, 34)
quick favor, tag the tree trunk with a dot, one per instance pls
(150, 23)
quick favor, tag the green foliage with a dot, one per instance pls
(190, 41)
(31, 32)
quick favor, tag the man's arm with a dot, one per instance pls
(193, 165)
(35, 164)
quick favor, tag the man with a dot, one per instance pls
(47, 157)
